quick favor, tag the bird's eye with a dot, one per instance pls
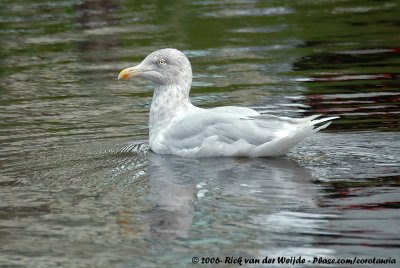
(162, 62)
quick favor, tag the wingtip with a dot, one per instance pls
(315, 122)
(322, 127)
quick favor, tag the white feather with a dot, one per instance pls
(231, 131)
(178, 127)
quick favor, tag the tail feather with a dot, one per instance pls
(321, 127)
(314, 122)
(281, 145)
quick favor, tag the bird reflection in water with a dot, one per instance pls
(177, 184)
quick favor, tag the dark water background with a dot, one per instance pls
(79, 188)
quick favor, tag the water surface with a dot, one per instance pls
(79, 187)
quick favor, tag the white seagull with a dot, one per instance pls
(180, 128)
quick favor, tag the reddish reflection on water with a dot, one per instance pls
(364, 101)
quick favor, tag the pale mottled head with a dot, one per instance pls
(166, 66)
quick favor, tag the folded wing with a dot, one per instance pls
(232, 131)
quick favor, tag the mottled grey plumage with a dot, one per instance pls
(180, 128)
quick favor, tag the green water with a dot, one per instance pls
(79, 188)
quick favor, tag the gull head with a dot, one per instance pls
(163, 67)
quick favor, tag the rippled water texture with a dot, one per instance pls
(79, 187)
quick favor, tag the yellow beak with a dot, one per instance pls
(128, 72)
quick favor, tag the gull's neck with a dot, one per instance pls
(169, 101)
